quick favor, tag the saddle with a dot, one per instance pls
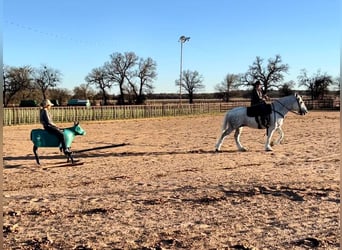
(262, 113)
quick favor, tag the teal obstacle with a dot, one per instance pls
(42, 138)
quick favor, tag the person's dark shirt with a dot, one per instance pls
(257, 97)
(45, 118)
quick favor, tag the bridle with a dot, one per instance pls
(300, 110)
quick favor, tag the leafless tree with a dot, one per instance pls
(191, 82)
(286, 88)
(83, 91)
(98, 78)
(317, 84)
(46, 78)
(118, 69)
(61, 95)
(271, 76)
(145, 73)
(16, 79)
(229, 83)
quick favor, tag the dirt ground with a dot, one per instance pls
(167, 189)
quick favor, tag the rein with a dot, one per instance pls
(297, 113)
(276, 111)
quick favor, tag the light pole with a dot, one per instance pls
(182, 40)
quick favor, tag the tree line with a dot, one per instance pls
(271, 75)
(134, 76)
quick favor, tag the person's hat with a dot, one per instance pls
(46, 103)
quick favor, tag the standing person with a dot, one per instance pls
(258, 94)
(46, 121)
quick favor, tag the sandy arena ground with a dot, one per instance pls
(167, 189)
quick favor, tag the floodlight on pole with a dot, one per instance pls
(182, 40)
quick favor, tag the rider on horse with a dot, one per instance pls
(259, 97)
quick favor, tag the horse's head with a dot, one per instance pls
(300, 105)
(78, 130)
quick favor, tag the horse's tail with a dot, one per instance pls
(225, 121)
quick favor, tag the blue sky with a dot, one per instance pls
(75, 36)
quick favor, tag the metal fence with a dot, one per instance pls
(19, 116)
(325, 104)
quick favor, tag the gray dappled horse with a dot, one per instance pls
(42, 138)
(237, 118)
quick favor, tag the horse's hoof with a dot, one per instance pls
(268, 149)
(243, 149)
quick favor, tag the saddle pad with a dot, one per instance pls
(261, 109)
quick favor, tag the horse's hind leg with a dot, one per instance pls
(35, 148)
(225, 133)
(270, 132)
(237, 139)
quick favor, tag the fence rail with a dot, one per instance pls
(19, 116)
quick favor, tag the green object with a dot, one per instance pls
(28, 103)
(42, 138)
(79, 102)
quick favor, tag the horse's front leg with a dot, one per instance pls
(69, 156)
(35, 148)
(281, 136)
(237, 139)
(270, 132)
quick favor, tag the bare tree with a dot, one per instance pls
(119, 68)
(45, 78)
(337, 85)
(16, 79)
(229, 83)
(286, 88)
(317, 84)
(61, 95)
(270, 76)
(83, 91)
(191, 82)
(145, 73)
(98, 77)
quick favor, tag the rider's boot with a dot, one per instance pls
(67, 151)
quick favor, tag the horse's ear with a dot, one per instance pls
(76, 123)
